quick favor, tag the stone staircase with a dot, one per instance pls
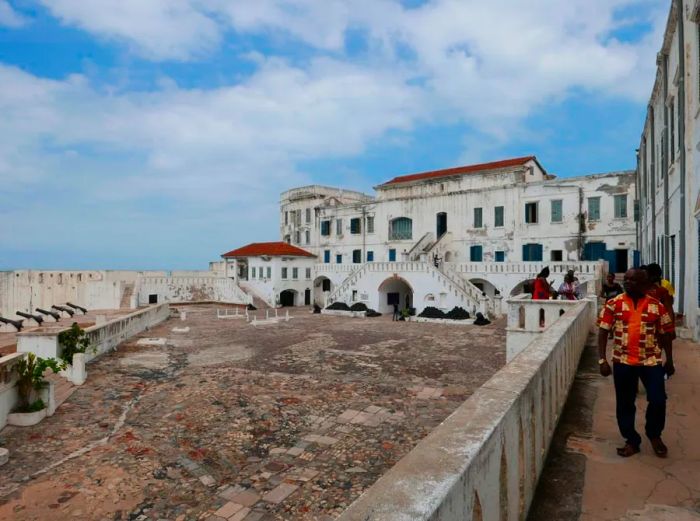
(128, 292)
(258, 301)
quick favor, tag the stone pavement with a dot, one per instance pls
(227, 421)
(585, 480)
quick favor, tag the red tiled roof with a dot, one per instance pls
(271, 249)
(469, 169)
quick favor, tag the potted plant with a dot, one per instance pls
(31, 409)
(74, 343)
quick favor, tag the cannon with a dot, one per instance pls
(49, 313)
(64, 308)
(79, 308)
(16, 323)
(39, 319)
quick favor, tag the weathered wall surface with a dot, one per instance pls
(189, 288)
(8, 390)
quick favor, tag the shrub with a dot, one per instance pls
(339, 306)
(31, 378)
(431, 312)
(373, 313)
(72, 341)
(457, 313)
(317, 309)
(358, 306)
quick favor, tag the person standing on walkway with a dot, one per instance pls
(611, 289)
(541, 289)
(642, 328)
(569, 289)
(396, 312)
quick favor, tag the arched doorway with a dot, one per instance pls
(485, 286)
(307, 297)
(441, 224)
(322, 289)
(288, 298)
(394, 290)
(522, 287)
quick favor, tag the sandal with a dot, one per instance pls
(628, 450)
(659, 448)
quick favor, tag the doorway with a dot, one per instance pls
(441, 224)
(287, 298)
(307, 297)
(620, 261)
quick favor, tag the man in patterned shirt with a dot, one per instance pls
(641, 326)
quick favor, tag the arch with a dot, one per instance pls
(394, 290)
(323, 286)
(485, 286)
(521, 287)
(288, 297)
(449, 256)
(477, 513)
(503, 484)
(401, 229)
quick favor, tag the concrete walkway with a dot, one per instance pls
(645, 487)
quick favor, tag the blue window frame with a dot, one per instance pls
(500, 256)
(532, 252)
(392, 255)
(370, 256)
(327, 256)
(339, 258)
(325, 228)
(401, 229)
(476, 253)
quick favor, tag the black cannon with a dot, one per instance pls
(79, 308)
(64, 308)
(16, 323)
(49, 313)
(39, 319)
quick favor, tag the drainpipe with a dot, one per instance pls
(682, 154)
(637, 207)
(652, 191)
(665, 170)
(364, 236)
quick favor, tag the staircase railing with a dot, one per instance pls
(420, 247)
(469, 288)
(343, 287)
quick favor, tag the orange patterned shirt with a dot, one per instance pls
(636, 330)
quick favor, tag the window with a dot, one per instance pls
(307, 236)
(295, 273)
(297, 237)
(478, 218)
(370, 256)
(672, 113)
(286, 218)
(673, 260)
(594, 208)
(339, 258)
(269, 272)
(401, 229)
(357, 256)
(557, 255)
(500, 255)
(355, 226)
(284, 273)
(532, 252)
(308, 273)
(621, 206)
(636, 210)
(370, 224)
(153, 299)
(392, 255)
(557, 210)
(327, 256)
(308, 215)
(339, 227)
(298, 218)
(252, 273)
(498, 216)
(476, 253)
(325, 228)
(531, 213)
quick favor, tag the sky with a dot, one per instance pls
(158, 134)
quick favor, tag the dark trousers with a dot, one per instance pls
(626, 381)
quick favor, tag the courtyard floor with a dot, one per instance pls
(229, 421)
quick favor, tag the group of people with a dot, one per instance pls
(639, 316)
(570, 289)
(641, 319)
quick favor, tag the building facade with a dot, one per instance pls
(668, 161)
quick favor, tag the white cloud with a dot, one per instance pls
(9, 17)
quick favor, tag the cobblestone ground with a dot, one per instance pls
(229, 421)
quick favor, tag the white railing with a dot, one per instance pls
(484, 460)
(336, 268)
(470, 289)
(339, 292)
(593, 268)
(418, 249)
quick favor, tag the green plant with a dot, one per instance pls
(405, 313)
(36, 405)
(73, 340)
(31, 378)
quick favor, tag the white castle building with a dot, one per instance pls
(464, 236)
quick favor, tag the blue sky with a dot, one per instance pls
(159, 134)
